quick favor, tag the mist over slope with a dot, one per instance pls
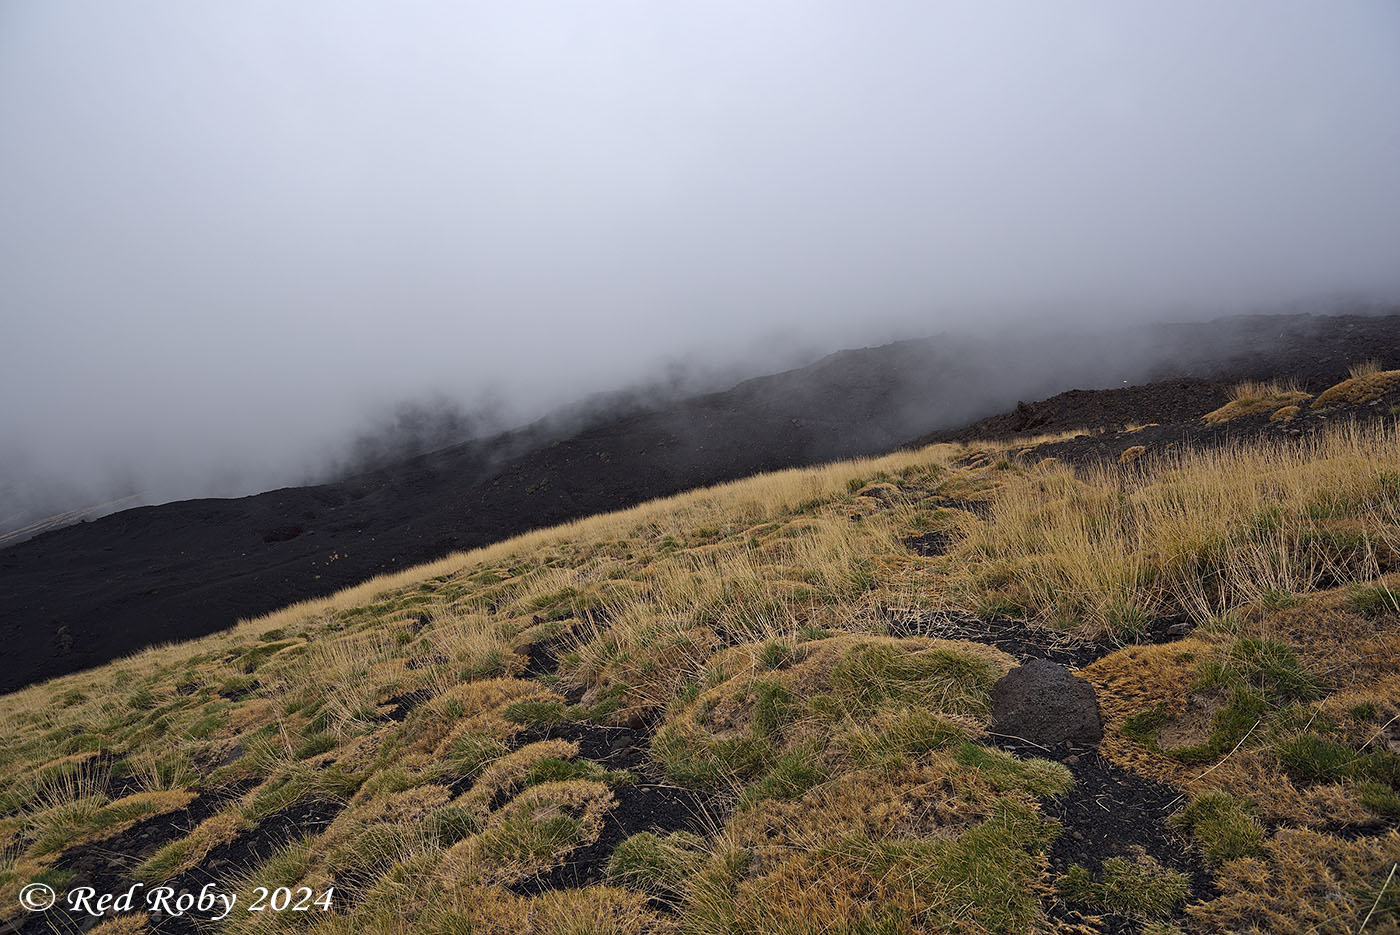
(235, 240)
(76, 596)
(876, 396)
(1002, 687)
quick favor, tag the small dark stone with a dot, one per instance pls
(231, 756)
(283, 533)
(929, 544)
(1178, 631)
(1044, 703)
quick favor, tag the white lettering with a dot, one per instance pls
(125, 901)
(80, 900)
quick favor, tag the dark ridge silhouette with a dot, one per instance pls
(83, 595)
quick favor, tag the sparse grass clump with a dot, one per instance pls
(1222, 826)
(1375, 600)
(881, 695)
(1313, 757)
(657, 864)
(1366, 368)
(982, 880)
(1008, 773)
(539, 828)
(1247, 681)
(1140, 887)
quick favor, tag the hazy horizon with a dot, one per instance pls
(236, 239)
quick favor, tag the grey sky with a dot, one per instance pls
(231, 232)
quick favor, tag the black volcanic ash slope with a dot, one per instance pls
(80, 596)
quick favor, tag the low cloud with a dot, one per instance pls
(244, 246)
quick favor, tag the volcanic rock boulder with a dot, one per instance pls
(1044, 703)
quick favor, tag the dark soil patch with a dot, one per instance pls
(1015, 637)
(238, 694)
(403, 705)
(1026, 640)
(640, 807)
(613, 747)
(1111, 812)
(1097, 410)
(1350, 832)
(225, 863)
(1109, 446)
(106, 865)
(645, 805)
(979, 508)
(252, 847)
(283, 533)
(542, 656)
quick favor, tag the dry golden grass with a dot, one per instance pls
(453, 907)
(1367, 382)
(750, 623)
(1308, 882)
(1366, 368)
(1129, 455)
(1251, 398)
(1196, 533)
(133, 924)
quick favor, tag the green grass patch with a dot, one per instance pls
(554, 769)
(452, 823)
(1256, 676)
(710, 762)
(1374, 601)
(873, 676)
(1223, 826)
(656, 864)
(471, 752)
(1007, 773)
(253, 659)
(981, 880)
(524, 839)
(790, 777)
(1144, 725)
(1267, 667)
(893, 737)
(315, 745)
(1379, 798)
(1140, 888)
(1314, 758)
(536, 713)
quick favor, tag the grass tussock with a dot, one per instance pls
(1367, 382)
(1252, 398)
